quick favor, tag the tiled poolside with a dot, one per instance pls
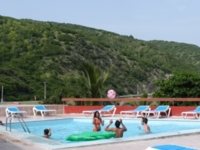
(13, 140)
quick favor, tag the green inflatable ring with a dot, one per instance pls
(89, 136)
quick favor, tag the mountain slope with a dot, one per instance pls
(34, 52)
(187, 52)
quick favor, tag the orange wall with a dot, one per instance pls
(175, 110)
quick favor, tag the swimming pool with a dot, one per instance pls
(61, 128)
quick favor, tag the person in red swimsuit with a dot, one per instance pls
(97, 121)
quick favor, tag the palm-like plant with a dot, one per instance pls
(94, 79)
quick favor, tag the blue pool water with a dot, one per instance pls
(64, 127)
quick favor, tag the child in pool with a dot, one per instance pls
(1, 123)
(47, 133)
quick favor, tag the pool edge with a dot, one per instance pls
(60, 146)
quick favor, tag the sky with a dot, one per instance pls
(168, 20)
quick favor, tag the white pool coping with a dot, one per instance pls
(54, 145)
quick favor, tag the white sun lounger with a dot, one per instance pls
(43, 110)
(136, 112)
(106, 110)
(157, 112)
(195, 113)
(14, 110)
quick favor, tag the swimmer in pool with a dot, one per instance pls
(47, 133)
(144, 122)
(1, 123)
(97, 121)
(119, 131)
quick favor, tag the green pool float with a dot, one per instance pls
(89, 136)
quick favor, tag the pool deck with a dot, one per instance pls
(7, 142)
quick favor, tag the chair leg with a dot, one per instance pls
(158, 115)
(182, 115)
(147, 115)
(114, 112)
(42, 113)
(169, 112)
(34, 112)
(166, 114)
(123, 115)
(101, 113)
(7, 113)
(24, 115)
(144, 114)
(108, 113)
(137, 114)
(195, 116)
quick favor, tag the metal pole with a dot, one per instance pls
(137, 90)
(10, 123)
(2, 95)
(45, 90)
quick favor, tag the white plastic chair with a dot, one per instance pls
(107, 109)
(15, 110)
(135, 112)
(195, 113)
(157, 112)
(42, 110)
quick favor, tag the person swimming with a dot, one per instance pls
(119, 131)
(144, 122)
(97, 121)
(47, 133)
(1, 123)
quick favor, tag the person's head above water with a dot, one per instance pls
(1, 123)
(96, 114)
(117, 123)
(144, 120)
(46, 131)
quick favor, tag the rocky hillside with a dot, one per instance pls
(34, 52)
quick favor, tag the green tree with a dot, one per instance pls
(144, 95)
(179, 85)
(94, 79)
(34, 52)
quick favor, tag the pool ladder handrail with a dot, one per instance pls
(20, 119)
